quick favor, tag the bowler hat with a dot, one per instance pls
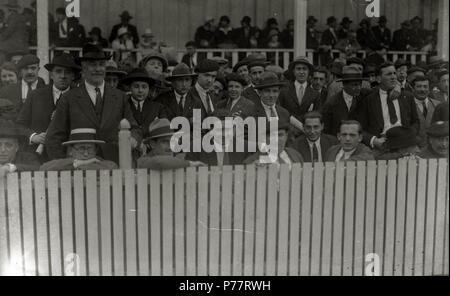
(138, 74)
(125, 15)
(27, 60)
(237, 78)
(63, 60)
(155, 55)
(438, 129)
(92, 52)
(180, 71)
(268, 79)
(400, 137)
(302, 60)
(159, 128)
(83, 136)
(206, 66)
(350, 73)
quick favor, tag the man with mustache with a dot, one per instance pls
(92, 105)
(36, 113)
(28, 68)
(437, 141)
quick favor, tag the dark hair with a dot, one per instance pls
(384, 65)
(321, 70)
(313, 115)
(352, 122)
(191, 43)
(224, 18)
(420, 79)
(61, 10)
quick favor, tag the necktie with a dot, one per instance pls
(28, 90)
(392, 113)
(209, 108)
(300, 94)
(425, 110)
(315, 153)
(98, 102)
(180, 104)
(273, 112)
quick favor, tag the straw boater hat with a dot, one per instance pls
(350, 73)
(269, 79)
(159, 128)
(83, 136)
(63, 60)
(180, 71)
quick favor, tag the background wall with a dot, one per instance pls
(175, 21)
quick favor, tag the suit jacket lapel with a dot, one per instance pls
(293, 93)
(85, 103)
(305, 150)
(109, 102)
(376, 108)
(307, 98)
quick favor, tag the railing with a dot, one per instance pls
(364, 218)
(281, 57)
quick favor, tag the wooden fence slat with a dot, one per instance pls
(283, 222)
(389, 212)
(440, 218)
(400, 217)
(54, 223)
(202, 222)
(3, 230)
(249, 220)
(409, 221)
(306, 210)
(369, 247)
(16, 264)
(167, 223)
(360, 198)
(379, 208)
(214, 222)
(180, 235)
(446, 232)
(155, 226)
(338, 220)
(260, 219)
(316, 219)
(273, 187)
(106, 224)
(118, 223)
(130, 224)
(430, 216)
(294, 221)
(41, 227)
(191, 221)
(238, 222)
(67, 214)
(327, 219)
(28, 224)
(226, 217)
(92, 223)
(349, 208)
(420, 218)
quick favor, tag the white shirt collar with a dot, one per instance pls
(310, 143)
(201, 90)
(298, 84)
(137, 103)
(33, 85)
(57, 93)
(92, 88)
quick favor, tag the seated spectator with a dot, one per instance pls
(349, 45)
(125, 18)
(192, 57)
(113, 74)
(273, 40)
(418, 34)
(8, 74)
(402, 38)
(12, 158)
(255, 39)
(402, 67)
(342, 33)
(441, 91)
(400, 143)
(147, 45)
(314, 143)
(243, 34)
(441, 113)
(204, 35)
(123, 44)
(82, 154)
(234, 102)
(350, 147)
(365, 35)
(382, 33)
(95, 37)
(437, 141)
(328, 41)
(241, 68)
(223, 36)
(67, 32)
(272, 24)
(312, 40)
(15, 35)
(287, 36)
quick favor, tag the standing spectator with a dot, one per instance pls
(204, 35)
(235, 103)
(272, 24)
(192, 57)
(223, 37)
(125, 18)
(418, 34)
(8, 74)
(287, 36)
(329, 40)
(402, 37)
(31, 21)
(402, 67)
(256, 69)
(147, 44)
(241, 69)
(441, 92)
(15, 36)
(365, 36)
(67, 32)
(273, 41)
(96, 38)
(123, 45)
(382, 33)
(312, 41)
(345, 28)
(242, 35)
(349, 45)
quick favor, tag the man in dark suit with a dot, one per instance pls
(235, 103)
(319, 83)
(192, 57)
(402, 37)
(343, 105)
(37, 111)
(177, 101)
(437, 146)
(66, 32)
(28, 68)
(125, 18)
(312, 41)
(314, 143)
(382, 34)
(241, 36)
(328, 41)
(269, 91)
(255, 68)
(92, 105)
(379, 111)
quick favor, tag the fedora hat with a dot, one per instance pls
(181, 70)
(138, 74)
(269, 79)
(63, 60)
(125, 15)
(9, 129)
(92, 52)
(304, 61)
(159, 128)
(350, 73)
(83, 136)
(112, 68)
(27, 60)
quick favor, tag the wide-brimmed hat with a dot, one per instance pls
(9, 129)
(155, 55)
(63, 60)
(304, 61)
(113, 69)
(268, 79)
(83, 136)
(148, 33)
(181, 70)
(438, 129)
(159, 128)
(93, 52)
(138, 74)
(125, 15)
(350, 73)
(400, 137)
(27, 60)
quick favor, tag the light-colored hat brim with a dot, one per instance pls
(83, 142)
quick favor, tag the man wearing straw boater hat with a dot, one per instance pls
(177, 101)
(94, 105)
(37, 111)
(343, 105)
(82, 153)
(12, 158)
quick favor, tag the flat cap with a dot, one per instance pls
(237, 78)
(416, 69)
(438, 129)
(401, 62)
(27, 60)
(206, 66)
